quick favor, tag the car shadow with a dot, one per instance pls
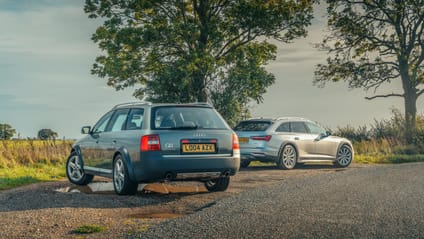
(305, 166)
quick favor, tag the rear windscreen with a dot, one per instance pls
(186, 117)
(252, 126)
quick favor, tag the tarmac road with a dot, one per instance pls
(383, 201)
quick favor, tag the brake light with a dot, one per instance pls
(264, 138)
(150, 143)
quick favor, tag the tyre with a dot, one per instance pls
(122, 184)
(217, 185)
(287, 158)
(75, 171)
(244, 163)
(344, 156)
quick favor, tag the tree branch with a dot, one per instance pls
(385, 96)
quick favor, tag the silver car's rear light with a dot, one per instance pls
(262, 137)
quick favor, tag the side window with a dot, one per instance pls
(135, 119)
(314, 128)
(118, 120)
(298, 127)
(100, 126)
(284, 127)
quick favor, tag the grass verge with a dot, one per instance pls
(372, 159)
(85, 229)
(23, 175)
(389, 159)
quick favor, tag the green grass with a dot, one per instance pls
(23, 175)
(85, 229)
(388, 159)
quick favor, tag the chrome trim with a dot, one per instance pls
(197, 156)
(316, 160)
(199, 175)
(98, 169)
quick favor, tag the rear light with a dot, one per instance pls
(150, 143)
(264, 138)
(236, 146)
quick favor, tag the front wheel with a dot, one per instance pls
(75, 171)
(217, 185)
(122, 183)
(344, 156)
(288, 157)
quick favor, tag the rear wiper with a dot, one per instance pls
(185, 127)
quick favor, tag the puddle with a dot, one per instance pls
(107, 188)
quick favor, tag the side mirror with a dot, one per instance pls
(328, 133)
(85, 130)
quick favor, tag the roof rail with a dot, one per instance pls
(290, 118)
(132, 103)
(198, 103)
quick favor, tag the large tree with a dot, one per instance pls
(194, 50)
(376, 42)
(6, 131)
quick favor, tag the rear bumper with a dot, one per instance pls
(152, 166)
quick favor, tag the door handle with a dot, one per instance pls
(296, 138)
(114, 141)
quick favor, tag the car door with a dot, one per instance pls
(324, 146)
(108, 143)
(90, 149)
(303, 140)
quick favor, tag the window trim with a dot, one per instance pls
(100, 121)
(110, 124)
(128, 118)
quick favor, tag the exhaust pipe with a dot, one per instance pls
(169, 176)
(226, 174)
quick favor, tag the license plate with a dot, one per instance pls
(244, 140)
(198, 148)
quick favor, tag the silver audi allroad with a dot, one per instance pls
(146, 142)
(289, 141)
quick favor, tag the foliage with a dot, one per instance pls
(45, 134)
(383, 142)
(85, 229)
(375, 42)
(195, 50)
(6, 131)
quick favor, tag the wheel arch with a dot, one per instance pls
(288, 143)
(349, 144)
(76, 149)
(126, 157)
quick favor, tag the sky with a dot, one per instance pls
(46, 55)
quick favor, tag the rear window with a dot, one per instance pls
(186, 117)
(252, 126)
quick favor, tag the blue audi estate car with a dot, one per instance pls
(147, 142)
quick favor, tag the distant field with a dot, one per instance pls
(29, 161)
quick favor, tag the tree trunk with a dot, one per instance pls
(410, 96)
(410, 115)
